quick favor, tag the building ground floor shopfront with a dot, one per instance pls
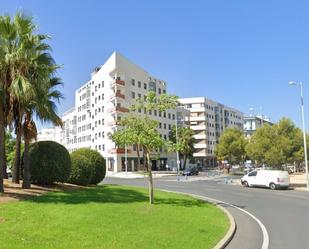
(159, 164)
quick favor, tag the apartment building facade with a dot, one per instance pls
(209, 119)
(104, 100)
(253, 122)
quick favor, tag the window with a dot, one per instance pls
(139, 84)
(254, 173)
(139, 95)
(159, 90)
(145, 86)
(133, 95)
(133, 82)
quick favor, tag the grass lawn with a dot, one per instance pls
(110, 217)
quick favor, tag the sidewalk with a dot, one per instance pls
(137, 175)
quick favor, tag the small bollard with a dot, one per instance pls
(186, 177)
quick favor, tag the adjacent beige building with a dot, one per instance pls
(209, 119)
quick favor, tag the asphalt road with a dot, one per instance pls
(284, 213)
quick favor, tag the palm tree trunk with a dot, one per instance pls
(16, 167)
(150, 180)
(5, 174)
(26, 169)
(2, 147)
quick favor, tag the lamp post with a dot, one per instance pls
(304, 129)
(177, 153)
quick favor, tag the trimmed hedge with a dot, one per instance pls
(82, 171)
(98, 163)
(49, 162)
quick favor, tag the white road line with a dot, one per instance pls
(263, 228)
(265, 243)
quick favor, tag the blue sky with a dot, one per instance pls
(241, 53)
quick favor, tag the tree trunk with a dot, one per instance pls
(138, 158)
(184, 162)
(16, 167)
(151, 198)
(5, 174)
(26, 170)
(2, 147)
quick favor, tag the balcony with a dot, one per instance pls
(198, 127)
(118, 82)
(118, 94)
(118, 151)
(200, 154)
(199, 118)
(200, 136)
(117, 109)
(121, 109)
(200, 146)
(111, 123)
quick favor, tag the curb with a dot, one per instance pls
(232, 230)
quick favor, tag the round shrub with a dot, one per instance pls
(81, 171)
(49, 162)
(98, 164)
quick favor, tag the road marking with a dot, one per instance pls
(265, 243)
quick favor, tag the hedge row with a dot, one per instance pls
(51, 162)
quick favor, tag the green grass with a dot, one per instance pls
(110, 217)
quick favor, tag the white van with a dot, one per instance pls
(266, 178)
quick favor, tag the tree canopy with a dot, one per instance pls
(231, 146)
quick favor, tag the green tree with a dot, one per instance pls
(184, 145)
(276, 145)
(231, 147)
(142, 130)
(25, 66)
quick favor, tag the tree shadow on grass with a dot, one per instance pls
(109, 194)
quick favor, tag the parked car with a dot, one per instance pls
(273, 179)
(190, 172)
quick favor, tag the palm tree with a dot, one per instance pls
(8, 43)
(44, 106)
(25, 66)
(15, 61)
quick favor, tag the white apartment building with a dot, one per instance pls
(103, 100)
(253, 122)
(209, 119)
(50, 134)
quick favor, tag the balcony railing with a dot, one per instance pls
(118, 109)
(118, 151)
(120, 82)
(118, 94)
(111, 123)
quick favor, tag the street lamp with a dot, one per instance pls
(292, 83)
(178, 118)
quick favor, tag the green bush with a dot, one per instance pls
(49, 162)
(98, 164)
(82, 171)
